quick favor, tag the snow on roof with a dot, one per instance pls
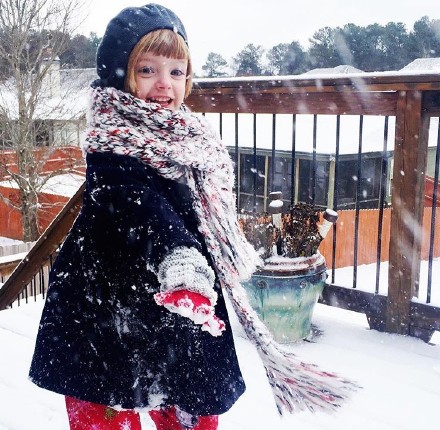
(77, 78)
(425, 64)
(70, 104)
(68, 107)
(338, 70)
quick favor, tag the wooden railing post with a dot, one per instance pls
(410, 153)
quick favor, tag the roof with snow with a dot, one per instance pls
(338, 70)
(425, 64)
(69, 102)
(77, 78)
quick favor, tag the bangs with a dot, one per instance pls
(167, 43)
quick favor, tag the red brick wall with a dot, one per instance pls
(70, 158)
(10, 218)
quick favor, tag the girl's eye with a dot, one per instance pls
(146, 70)
(177, 73)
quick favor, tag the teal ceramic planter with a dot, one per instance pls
(284, 293)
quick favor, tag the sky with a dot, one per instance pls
(227, 26)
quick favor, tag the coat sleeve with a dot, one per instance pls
(129, 212)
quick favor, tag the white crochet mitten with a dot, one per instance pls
(187, 288)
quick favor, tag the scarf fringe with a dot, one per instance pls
(176, 145)
(296, 386)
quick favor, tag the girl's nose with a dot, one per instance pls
(163, 80)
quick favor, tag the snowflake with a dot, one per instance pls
(125, 425)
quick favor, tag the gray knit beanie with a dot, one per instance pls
(122, 34)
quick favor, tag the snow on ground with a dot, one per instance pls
(400, 375)
(8, 241)
(400, 378)
(366, 279)
(62, 185)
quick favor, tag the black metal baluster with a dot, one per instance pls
(272, 173)
(293, 169)
(336, 195)
(254, 165)
(315, 122)
(357, 206)
(383, 186)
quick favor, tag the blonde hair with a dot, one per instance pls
(160, 42)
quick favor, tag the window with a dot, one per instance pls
(347, 183)
(313, 190)
(249, 174)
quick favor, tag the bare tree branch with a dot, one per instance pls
(33, 106)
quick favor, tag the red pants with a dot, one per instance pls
(92, 416)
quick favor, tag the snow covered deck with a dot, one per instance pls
(400, 376)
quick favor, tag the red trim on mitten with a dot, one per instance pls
(214, 325)
(194, 306)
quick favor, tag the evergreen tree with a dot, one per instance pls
(287, 59)
(374, 47)
(395, 43)
(214, 66)
(248, 61)
(424, 40)
(80, 52)
(322, 50)
(372, 55)
(371, 48)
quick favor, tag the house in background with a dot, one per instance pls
(59, 122)
(308, 158)
(319, 158)
(60, 117)
(328, 172)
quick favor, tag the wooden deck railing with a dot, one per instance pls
(411, 99)
(40, 254)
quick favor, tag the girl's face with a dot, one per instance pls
(161, 80)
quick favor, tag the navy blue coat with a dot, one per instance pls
(102, 338)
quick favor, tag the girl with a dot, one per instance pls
(135, 317)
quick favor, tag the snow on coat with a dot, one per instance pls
(102, 338)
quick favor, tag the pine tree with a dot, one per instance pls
(215, 65)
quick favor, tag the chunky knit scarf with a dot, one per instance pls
(181, 146)
(178, 146)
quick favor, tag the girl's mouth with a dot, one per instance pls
(163, 101)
